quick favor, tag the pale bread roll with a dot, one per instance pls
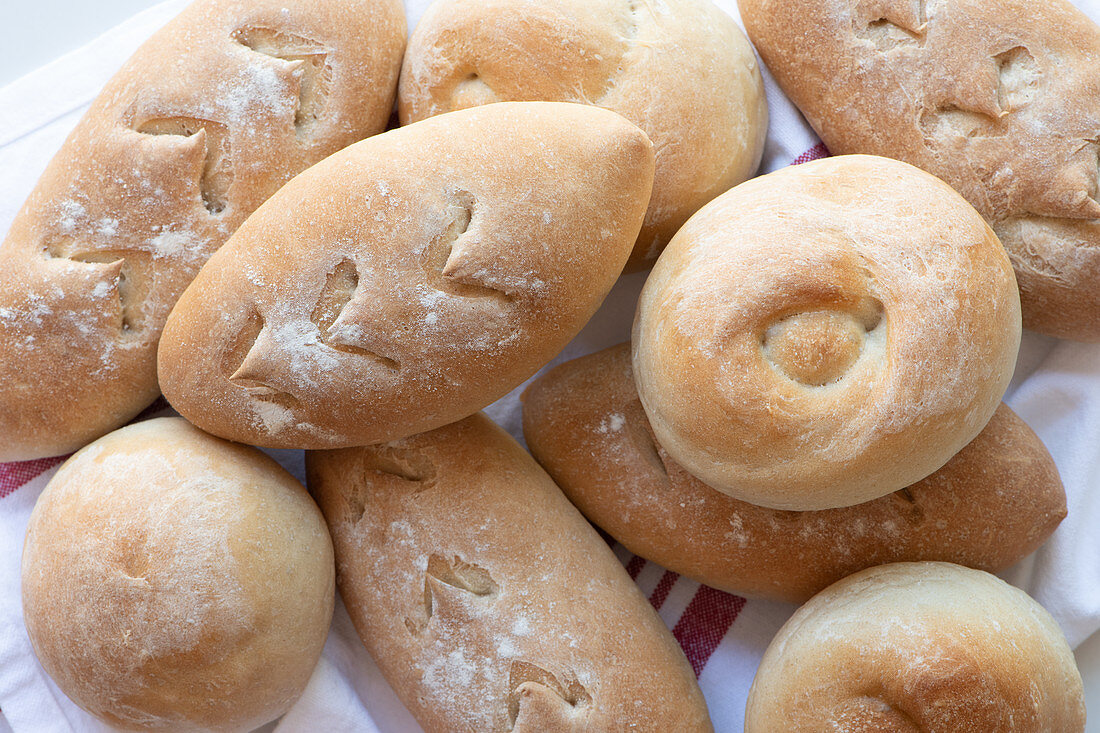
(918, 647)
(487, 600)
(174, 581)
(411, 279)
(205, 121)
(826, 334)
(682, 70)
(999, 98)
(991, 505)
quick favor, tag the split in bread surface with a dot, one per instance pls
(204, 122)
(999, 98)
(174, 581)
(411, 279)
(682, 70)
(487, 600)
(914, 647)
(826, 334)
(991, 505)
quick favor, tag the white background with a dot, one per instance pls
(34, 32)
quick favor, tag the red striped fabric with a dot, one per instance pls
(704, 624)
(17, 474)
(664, 587)
(815, 153)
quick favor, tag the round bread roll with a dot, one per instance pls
(918, 647)
(174, 581)
(990, 506)
(826, 334)
(682, 70)
(999, 98)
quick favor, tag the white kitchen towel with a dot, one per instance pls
(1056, 389)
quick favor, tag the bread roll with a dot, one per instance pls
(411, 279)
(681, 70)
(999, 98)
(918, 647)
(174, 581)
(988, 507)
(827, 334)
(487, 601)
(207, 119)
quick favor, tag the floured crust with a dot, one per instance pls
(991, 505)
(174, 581)
(681, 70)
(1000, 99)
(918, 647)
(487, 601)
(827, 334)
(207, 119)
(411, 279)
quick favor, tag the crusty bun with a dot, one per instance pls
(487, 601)
(174, 581)
(411, 279)
(988, 507)
(918, 647)
(826, 334)
(681, 70)
(207, 119)
(999, 98)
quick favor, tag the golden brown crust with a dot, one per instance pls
(411, 279)
(174, 581)
(826, 334)
(915, 647)
(207, 119)
(486, 599)
(999, 98)
(991, 505)
(680, 69)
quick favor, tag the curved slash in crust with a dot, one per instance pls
(118, 267)
(311, 60)
(338, 291)
(903, 24)
(217, 173)
(530, 682)
(442, 258)
(456, 573)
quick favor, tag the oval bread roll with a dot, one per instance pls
(487, 601)
(682, 70)
(174, 581)
(991, 505)
(999, 98)
(918, 647)
(826, 334)
(411, 279)
(206, 120)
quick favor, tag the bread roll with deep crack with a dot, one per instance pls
(991, 505)
(411, 279)
(999, 98)
(826, 334)
(682, 70)
(174, 581)
(487, 601)
(918, 647)
(205, 121)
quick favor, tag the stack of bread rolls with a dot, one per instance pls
(809, 405)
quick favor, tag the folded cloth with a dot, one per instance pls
(1056, 389)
